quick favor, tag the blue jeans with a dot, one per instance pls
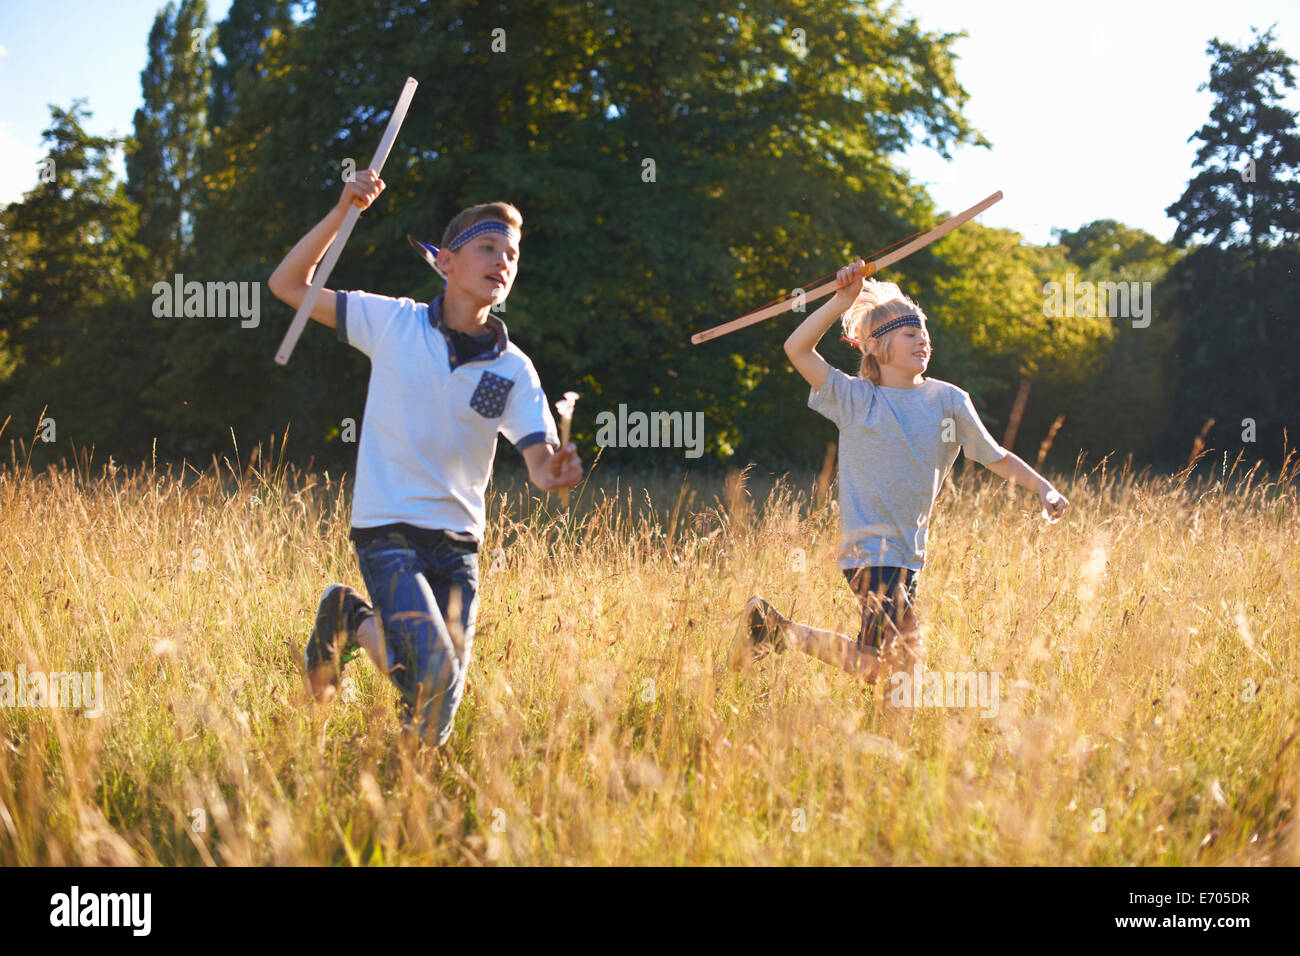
(888, 599)
(427, 640)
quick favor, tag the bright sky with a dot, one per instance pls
(1089, 114)
(1088, 106)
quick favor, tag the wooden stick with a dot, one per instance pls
(826, 288)
(349, 220)
(1017, 413)
(565, 407)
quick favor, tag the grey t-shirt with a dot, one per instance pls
(897, 446)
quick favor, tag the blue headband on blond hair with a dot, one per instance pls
(898, 323)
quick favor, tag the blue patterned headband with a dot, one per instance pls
(898, 323)
(488, 225)
(429, 252)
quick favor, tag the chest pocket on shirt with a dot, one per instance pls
(489, 398)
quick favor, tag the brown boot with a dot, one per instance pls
(761, 632)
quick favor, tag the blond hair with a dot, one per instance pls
(502, 211)
(877, 303)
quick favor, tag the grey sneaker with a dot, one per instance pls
(339, 613)
(760, 633)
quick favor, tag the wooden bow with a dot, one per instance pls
(785, 304)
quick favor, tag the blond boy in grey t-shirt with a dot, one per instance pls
(900, 434)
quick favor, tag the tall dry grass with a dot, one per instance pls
(1145, 649)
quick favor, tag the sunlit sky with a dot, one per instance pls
(1088, 106)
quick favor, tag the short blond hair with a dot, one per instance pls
(877, 303)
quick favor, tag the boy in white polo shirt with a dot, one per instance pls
(445, 379)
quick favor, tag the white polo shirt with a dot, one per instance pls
(429, 432)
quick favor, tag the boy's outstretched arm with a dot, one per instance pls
(551, 470)
(1014, 468)
(801, 346)
(292, 277)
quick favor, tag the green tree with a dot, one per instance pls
(1232, 298)
(240, 37)
(1127, 404)
(163, 157)
(1245, 191)
(66, 269)
(215, 375)
(676, 165)
(994, 337)
(1106, 246)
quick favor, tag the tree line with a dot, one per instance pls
(676, 166)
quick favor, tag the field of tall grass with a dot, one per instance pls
(1144, 649)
